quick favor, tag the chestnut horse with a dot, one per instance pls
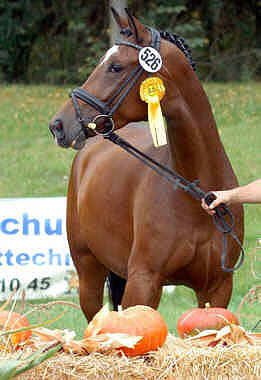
(122, 217)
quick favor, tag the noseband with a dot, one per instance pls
(106, 109)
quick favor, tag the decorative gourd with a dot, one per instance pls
(209, 318)
(12, 321)
(137, 320)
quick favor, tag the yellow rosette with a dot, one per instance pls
(152, 91)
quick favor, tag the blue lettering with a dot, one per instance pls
(67, 259)
(27, 221)
(35, 259)
(4, 226)
(58, 228)
(54, 255)
(9, 254)
(22, 258)
(50, 257)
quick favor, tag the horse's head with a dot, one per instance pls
(110, 97)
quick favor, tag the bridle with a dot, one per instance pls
(107, 109)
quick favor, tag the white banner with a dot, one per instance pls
(34, 253)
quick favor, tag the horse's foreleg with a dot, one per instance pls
(217, 296)
(142, 288)
(92, 275)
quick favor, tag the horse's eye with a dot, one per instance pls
(115, 67)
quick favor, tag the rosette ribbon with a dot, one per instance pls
(152, 91)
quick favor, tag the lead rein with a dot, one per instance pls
(193, 189)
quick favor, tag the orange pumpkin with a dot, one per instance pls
(135, 321)
(15, 321)
(209, 318)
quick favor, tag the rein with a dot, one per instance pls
(194, 190)
(107, 111)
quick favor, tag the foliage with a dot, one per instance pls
(231, 36)
(220, 33)
(167, 15)
(60, 42)
(19, 24)
(73, 51)
(45, 40)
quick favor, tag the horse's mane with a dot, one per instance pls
(181, 44)
(174, 39)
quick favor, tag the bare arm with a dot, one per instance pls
(250, 193)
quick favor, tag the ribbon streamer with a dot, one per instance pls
(152, 91)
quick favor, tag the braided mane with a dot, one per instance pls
(181, 44)
(174, 39)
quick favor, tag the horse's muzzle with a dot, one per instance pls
(57, 130)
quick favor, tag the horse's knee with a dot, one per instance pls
(144, 288)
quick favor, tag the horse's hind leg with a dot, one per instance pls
(218, 295)
(92, 275)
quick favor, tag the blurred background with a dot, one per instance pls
(59, 42)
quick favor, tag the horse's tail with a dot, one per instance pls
(116, 286)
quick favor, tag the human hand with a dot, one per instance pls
(221, 197)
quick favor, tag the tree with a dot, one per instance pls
(224, 35)
(20, 23)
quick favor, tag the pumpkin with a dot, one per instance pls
(209, 318)
(12, 321)
(137, 320)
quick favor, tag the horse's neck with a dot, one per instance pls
(196, 150)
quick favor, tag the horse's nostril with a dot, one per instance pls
(56, 126)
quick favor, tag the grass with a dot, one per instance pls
(32, 165)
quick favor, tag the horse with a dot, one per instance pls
(123, 219)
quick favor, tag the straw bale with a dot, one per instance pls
(177, 359)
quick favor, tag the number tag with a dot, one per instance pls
(150, 59)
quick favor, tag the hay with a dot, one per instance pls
(235, 355)
(177, 359)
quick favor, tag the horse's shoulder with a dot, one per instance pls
(102, 154)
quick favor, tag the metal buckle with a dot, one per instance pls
(93, 125)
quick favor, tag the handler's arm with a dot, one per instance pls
(250, 193)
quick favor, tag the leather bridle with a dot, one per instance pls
(108, 108)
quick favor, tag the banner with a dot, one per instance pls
(34, 253)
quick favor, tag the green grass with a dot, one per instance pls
(32, 165)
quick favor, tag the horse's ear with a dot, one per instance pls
(122, 22)
(135, 26)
